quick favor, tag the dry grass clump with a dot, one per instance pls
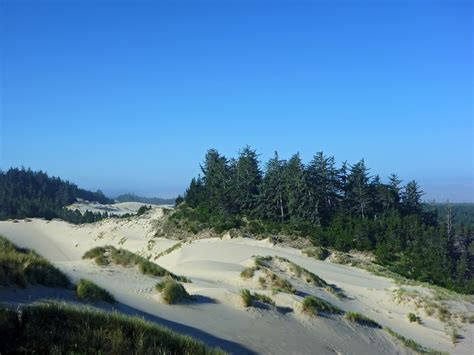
(23, 267)
(88, 291)
(413, 345)
(312, 305)
(248, 272)
(318, 253)
(107, 254)
(60, 329)
(172, 291)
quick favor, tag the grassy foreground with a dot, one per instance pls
(23, 267)
(53, 328)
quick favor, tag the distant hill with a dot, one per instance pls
(463, 213)
(129, 197)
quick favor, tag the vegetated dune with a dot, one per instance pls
(217, 314)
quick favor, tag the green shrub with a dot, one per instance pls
(246, 297)
(413, 318)
(172, 291)
(21, 267)
(361, 319)
(313, 305)
(54, 328)
(88, 291)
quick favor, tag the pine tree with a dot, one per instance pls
(358, 196)
(273, 198)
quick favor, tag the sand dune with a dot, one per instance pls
(218, 316)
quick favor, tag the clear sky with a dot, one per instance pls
(127, 96)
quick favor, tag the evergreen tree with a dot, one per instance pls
(273, 197)
(411, 198)
(358, 196)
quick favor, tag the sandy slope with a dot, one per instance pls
(218, 317)
(118, 209)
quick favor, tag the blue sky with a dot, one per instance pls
(127, 96)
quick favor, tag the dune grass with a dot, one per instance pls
(22, 267)
(172, 291)
(248, 298)
(413, 345)
(248, 272)
(169, 250)
(312, 305)
(108, 253)
(86, 290)
(361, 319)
(60, 329)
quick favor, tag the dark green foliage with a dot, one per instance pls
(344, 208)
(313, 305)
(143, 209)
(24, 193)
(52, 328)
(88, 291)
(23, 267)
(172, 291)
(108, 253)
(359, 318)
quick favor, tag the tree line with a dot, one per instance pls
(344, 207)
(26, 193)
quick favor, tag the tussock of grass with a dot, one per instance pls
(313, 305)
(54, 328)
(248, 272)
(361, 319)
(413, 345)
(248, 298)
(106, 254)
(172, 291)
(88, 291)
(21, 267)
(280, 284)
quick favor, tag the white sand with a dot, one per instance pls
(218, 317)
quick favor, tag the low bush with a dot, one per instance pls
(60, 329)
(361, 319)
(313, 305)
(172, 291)
(23, 267)
(412, 317)
(86, 290)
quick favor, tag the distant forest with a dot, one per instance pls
(344, 207)
(129, 197)
(26, 193)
